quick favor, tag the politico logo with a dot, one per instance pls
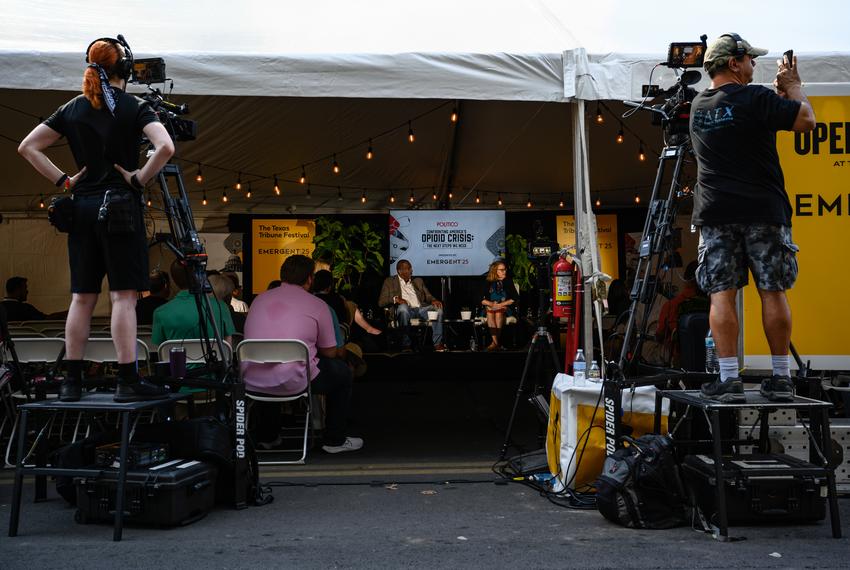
(447, 224)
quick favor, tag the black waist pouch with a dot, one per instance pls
(119, 211)
(60, 213)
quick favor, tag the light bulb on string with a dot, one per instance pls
(499, 199)
(335, 165)
(410, 198)
(303, 178)
(434, 195)
(369, 153)
(199, 177)
(149, 200)
(339, 194)
(641, 154)
(363, 197)
(451, 195)
(453, 116)
(477, 198)
(620, 135)
(238, 184)
(248, 193)
(529, 204)
(276, 186)
(410, 137)
(392, 198)
(637, 198)
(599, 118)
(41, 201)
(598, 202)
(204, 198)
(224, 196)
(561, 201)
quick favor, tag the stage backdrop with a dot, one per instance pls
(272, 241)
(817, 169)
(447, 242)
(606, 239)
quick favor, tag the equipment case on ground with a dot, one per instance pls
(177, 492)
(772, 488)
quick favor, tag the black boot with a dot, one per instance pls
(138, 390)
(71, 390)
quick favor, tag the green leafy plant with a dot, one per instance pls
(523, 271)
(351, 249)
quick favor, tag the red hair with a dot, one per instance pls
(105, 54)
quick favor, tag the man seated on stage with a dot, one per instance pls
(291, 311)
(160, 291)
(178, 319)
(411, 299)
(15, 303)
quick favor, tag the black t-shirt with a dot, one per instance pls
(98, 140)
(739, 180)
(18, 311)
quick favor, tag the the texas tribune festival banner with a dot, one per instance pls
(272, 241)
(447, 242)
(817, 178)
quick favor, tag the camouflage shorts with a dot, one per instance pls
(727, 252)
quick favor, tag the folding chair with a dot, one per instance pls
(195, 349)
(279, 351)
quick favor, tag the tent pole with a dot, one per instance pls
(583, 219)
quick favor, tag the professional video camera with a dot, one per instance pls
(152, 70)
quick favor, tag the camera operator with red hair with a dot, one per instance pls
(106, 236)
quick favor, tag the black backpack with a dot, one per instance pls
(640, 485)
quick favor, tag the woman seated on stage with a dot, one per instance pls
(498, 297)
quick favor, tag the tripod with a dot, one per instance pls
(541, 339)
(656, 248)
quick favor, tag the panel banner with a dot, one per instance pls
(606, 239)
(272, 242)
(817, 177)
(447, 242)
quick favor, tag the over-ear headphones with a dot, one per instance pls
(739, 44)
(124, 66)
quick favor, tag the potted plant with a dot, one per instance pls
(522, 270)
(352, 249)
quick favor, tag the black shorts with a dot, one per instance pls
(93, 253)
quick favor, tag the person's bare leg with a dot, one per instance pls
(78, 324)
(776, 320)
(123, 324)
(500, 324)
(491, 326)
(723, 319)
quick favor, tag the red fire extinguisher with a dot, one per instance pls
(566, 303)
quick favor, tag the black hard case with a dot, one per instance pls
(177, 492)
(772, 488)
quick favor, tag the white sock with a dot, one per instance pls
(781, 365)
(728, 367)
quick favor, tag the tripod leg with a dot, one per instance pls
(519, 392)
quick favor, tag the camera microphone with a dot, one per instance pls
(174, 108)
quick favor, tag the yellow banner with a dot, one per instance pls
(272, 242)
(606, 239)
(817, 172)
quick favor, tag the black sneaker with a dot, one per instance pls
(70, 390)
(139, 390)
(777, 389)
(731, 391)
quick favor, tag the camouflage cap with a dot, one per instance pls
(725, 47)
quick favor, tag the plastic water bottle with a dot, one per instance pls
(579, 368)
(712, 366)
(594, 374)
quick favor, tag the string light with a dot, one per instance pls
(363, 197)
(41, 201)
(248, 193)
(637, 198)
(453, 117)
(641, 154)
(308, 191)
(369, 153)
(224, 196)
(204, 199)
(434, 195)
(199, 177)
(620, 135)
(499, 200)
(339, 194)
(599, 118)
(598, 202)
(477, 198)
(149, 200)
(392, 198)
(303, 178)
(529, 204)
(410, 198)
(561, 201)
(239, 182)
(410, 137)
(335, 165)
(276, 186)
(451, 195)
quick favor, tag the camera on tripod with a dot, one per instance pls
(152, 70)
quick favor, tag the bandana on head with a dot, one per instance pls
(108, 96)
